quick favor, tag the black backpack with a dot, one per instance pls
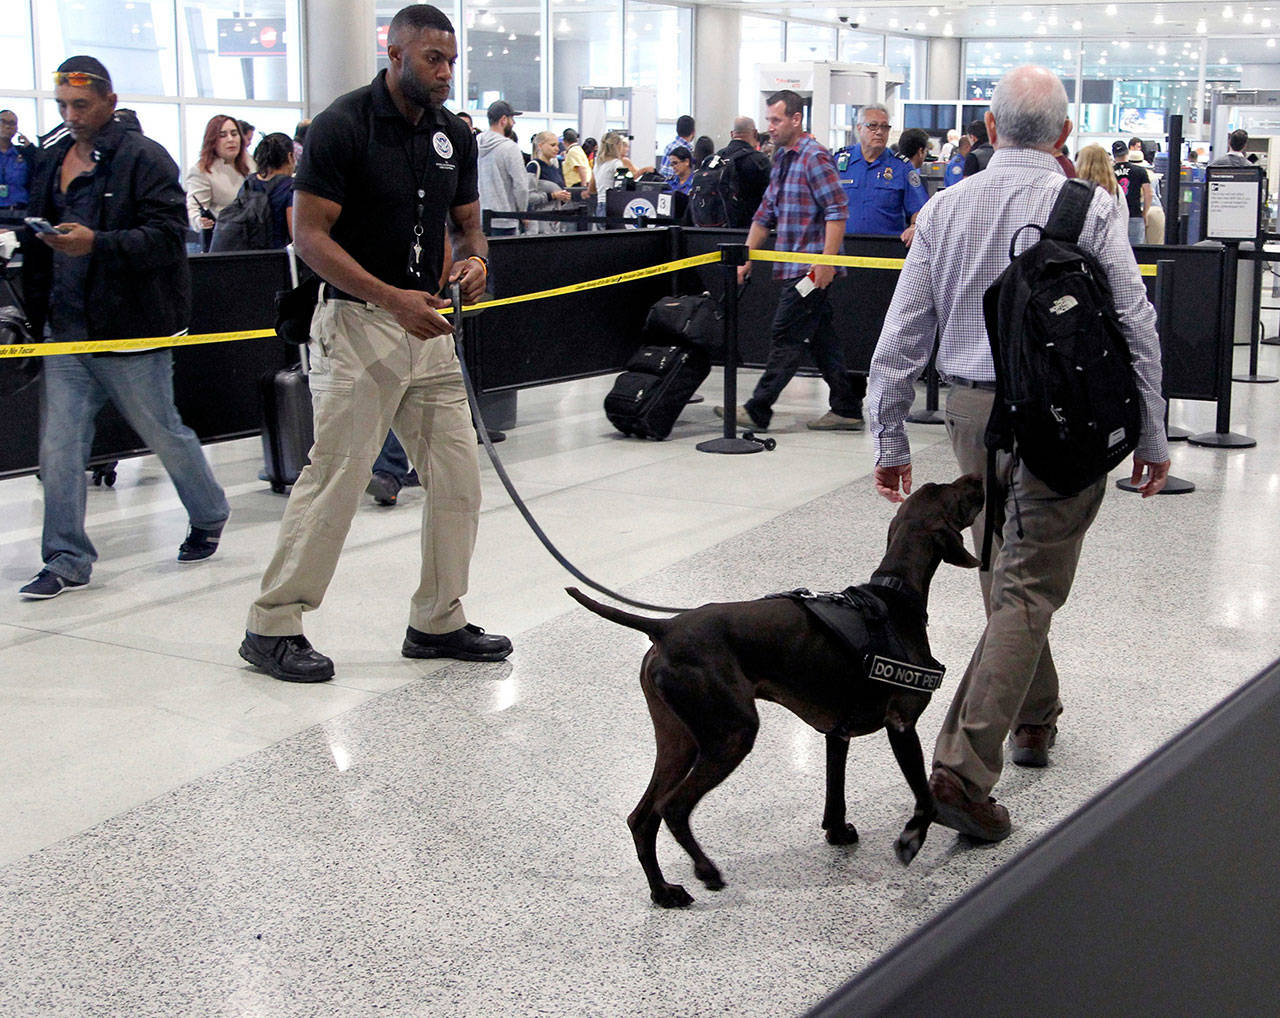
(245, 224)
(1067, 402)
(714, 192)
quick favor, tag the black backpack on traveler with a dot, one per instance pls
(1067, 402)
(714, 192)
(245, 224)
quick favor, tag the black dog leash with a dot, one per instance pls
(455, 294)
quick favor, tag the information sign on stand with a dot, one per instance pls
(1233, 203)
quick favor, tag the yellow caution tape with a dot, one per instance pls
(853, 261)
(119, 345)
(115, 345)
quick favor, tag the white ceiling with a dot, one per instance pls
(1005, 19)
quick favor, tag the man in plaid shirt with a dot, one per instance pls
(808, 206)
(961, 245)
(683, 139)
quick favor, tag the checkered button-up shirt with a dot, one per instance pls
(664, 164)
(804, 194)
(961, 245)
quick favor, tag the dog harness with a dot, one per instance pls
(859, 619)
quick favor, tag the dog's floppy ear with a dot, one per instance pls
(953, 550)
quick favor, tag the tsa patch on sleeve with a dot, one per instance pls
(443, 147)
(913, 178)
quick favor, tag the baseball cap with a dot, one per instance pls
(501, 109)
(1119, 148)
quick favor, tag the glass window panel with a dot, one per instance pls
(660, 54)
(586, 49)
(761, 44)
(229, 56)
(159, 121)
(900, 58)
(861, 47)
(133, 38)
(25, 109)
(1130, 86)
(503, 50)
(265, 120)
(810, 42)
(15, 46)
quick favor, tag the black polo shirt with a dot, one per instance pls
(364, 155)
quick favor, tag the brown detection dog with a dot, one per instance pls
(709, 665)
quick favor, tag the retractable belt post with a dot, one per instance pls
(1223, 437)
(731, 257)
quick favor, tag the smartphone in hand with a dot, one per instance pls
(41, 225)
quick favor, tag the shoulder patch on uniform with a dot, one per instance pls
(913, 178)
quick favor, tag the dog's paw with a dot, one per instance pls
(710, 877)
(908, 846)
(672, 896)
(845, 834)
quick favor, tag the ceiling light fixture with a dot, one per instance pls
(1111, 10)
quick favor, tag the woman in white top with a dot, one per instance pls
(608, 162)
(215, 179)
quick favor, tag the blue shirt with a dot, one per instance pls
(883, 194)
(674, 185)
(15, 168)
(954, 173)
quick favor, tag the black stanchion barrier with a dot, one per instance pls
(731, 257)
(1255, 319)
(1173, 183)
(930, 414)
(1223, 437)
(1164, 308)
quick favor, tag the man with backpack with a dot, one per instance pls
(962, 244)
(726, 189)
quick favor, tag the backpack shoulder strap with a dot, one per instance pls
(1066, 220)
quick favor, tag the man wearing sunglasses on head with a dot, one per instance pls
(115, 267)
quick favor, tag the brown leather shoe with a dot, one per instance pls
(1031, 744)
(982, 821)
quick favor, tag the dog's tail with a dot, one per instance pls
(653, 628)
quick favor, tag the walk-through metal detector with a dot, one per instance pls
(831, 93)
(638, 113)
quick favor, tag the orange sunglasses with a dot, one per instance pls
(77, 79)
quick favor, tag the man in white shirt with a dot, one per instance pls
(961, 245)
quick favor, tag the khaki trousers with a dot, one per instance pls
(368, 375)
(1011, 678)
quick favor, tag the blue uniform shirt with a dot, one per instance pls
(954, 173)
(14, 170)
(883, 194)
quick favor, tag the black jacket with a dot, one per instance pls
(139, 283)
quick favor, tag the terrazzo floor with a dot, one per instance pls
(184, 836)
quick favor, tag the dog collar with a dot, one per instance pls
(895, 583)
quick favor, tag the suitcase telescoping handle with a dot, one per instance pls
(455, 297)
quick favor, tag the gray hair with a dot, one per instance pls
(862, 113)
(744, 127)
(1029, 107)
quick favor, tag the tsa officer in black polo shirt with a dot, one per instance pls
(382, 167)
(884, 192)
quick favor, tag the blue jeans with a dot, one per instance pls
(392, 460)
(797, 320)
(72, 391)
(1137, 230)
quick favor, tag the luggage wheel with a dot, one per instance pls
(768, 443)
(104, 475)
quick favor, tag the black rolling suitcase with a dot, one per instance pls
(287, 430)
(287, 427)
(648, 396)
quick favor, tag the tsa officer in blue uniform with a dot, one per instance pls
(885, 193)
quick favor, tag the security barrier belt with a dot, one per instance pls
(60, 349)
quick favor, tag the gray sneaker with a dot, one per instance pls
(832, 421)
(744, 419)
